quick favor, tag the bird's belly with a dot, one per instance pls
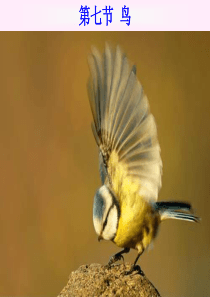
(137, 226)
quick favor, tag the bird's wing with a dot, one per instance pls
(123, 126)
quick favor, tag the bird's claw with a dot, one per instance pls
(114, 259)
(134, 268)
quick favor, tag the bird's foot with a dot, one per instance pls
(134, 268)
(114, 259)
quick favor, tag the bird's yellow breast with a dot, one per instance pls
(137, 224)
(138, 220)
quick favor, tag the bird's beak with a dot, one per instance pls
(100, 237)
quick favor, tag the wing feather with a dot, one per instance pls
(123, 126)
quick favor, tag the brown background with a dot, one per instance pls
(49, 165)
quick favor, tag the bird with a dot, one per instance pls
(125, 207)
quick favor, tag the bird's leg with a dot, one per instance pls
(134, 266)
(117, 257)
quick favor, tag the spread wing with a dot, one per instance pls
(124, 128)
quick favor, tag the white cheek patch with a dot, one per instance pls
(104, 192)
(111, 226)
(97, 225)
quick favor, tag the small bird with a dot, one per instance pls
(125, 208)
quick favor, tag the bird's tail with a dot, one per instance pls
(176, 210)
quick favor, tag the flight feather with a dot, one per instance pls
(124, 128)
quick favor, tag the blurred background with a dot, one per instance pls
(49, 161)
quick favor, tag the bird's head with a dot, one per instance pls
(106, 213)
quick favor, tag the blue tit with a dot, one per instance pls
(125, 208)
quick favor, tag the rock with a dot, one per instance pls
(97, 280)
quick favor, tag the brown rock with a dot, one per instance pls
(96, 280)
